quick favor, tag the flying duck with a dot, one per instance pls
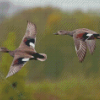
(83, 38)
(25, 51)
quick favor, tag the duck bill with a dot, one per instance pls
(55, 33)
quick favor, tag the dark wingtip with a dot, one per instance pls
(30, 22)
(81, 61)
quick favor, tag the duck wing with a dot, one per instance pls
(29, 38)
(91, 44)
(81, 48)
(17, 64)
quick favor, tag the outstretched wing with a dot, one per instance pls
(17, 64)
(91, 44)
(29, 38)
(80, 47)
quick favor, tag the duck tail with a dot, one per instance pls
(42, 57)
(94, 36)
(39, 56)
(97, 36)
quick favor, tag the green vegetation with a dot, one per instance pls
(61, 76)
(13, 87)
(70, 89)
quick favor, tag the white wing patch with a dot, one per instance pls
(75, 48)
(25, 59)
(89, 34)
(32, 56)
(32, 44)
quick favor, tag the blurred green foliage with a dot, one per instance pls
(12, 87)
(61, 76)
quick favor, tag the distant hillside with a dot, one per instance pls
(7, 8)
(18, 22)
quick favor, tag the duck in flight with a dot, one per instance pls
(26, 50)
(83, 39)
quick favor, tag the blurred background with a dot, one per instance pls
(61, 76)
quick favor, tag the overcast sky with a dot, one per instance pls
(64, 4)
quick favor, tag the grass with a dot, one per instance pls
(71, 89)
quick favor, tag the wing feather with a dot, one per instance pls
(14, 68)
(31, 32)
(80, 47)
(91, 44)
